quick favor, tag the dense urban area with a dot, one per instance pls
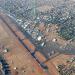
(45, 29)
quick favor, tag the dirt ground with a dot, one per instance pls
(58, 60)
(52, 34)
(18, 58)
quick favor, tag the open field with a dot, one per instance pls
(18, 57)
